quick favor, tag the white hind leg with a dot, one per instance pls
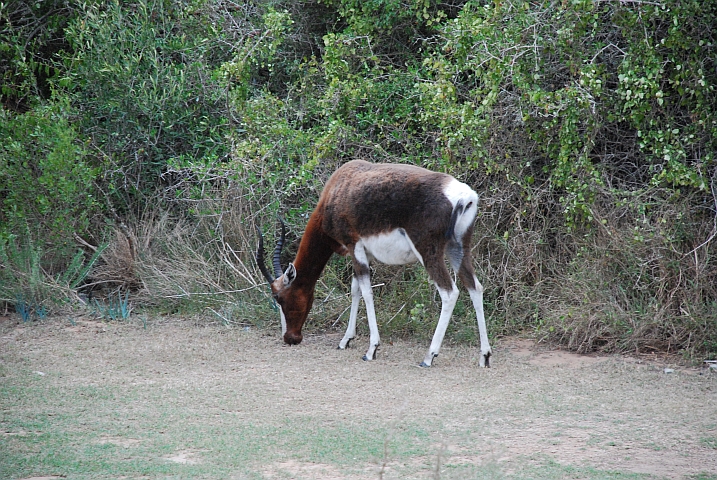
(477, 299)
(448, 302)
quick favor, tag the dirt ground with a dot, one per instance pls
(606, 413)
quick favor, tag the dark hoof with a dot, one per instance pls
(365, 357)
(487, 361)
(424, 365)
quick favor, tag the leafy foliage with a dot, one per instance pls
(45, 177)
(146, 95)
(30, 36)
(599, 104)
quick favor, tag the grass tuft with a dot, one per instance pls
(116, 308)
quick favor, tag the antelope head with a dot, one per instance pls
(294, 302)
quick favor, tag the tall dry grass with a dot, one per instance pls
(165, 259)
(642, 276)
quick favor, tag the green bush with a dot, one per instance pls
(30, 37)
(47, 201)
(588, 101)
(141, 75)
(46, 181)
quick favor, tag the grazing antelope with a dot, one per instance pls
(394, 214)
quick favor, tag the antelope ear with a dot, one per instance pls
(289, 275)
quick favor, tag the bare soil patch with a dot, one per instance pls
(42, 478)
(119, 441)
(534, 406)
(185, 458)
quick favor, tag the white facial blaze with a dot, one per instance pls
(283, 321)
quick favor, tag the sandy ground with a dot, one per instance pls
(612, 413)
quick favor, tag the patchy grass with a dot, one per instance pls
(181, 399)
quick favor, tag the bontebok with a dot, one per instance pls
(393, 214)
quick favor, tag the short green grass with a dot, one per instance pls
(83, 432)
(710, 442)
(107, 431)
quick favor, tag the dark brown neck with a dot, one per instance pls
(314, 252)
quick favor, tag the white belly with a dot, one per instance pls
(392, 248)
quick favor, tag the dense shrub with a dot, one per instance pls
(143, 78)
(47, 198)
(46, 188)
(31, 35)
(589, 100)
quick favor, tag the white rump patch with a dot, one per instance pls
(455, 192)
(391, 248)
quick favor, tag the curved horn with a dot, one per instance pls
(278, 271)
(260, 258)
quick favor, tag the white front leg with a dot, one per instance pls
(448, 302)
(351, 329)
(363, 277)
(374, 340)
